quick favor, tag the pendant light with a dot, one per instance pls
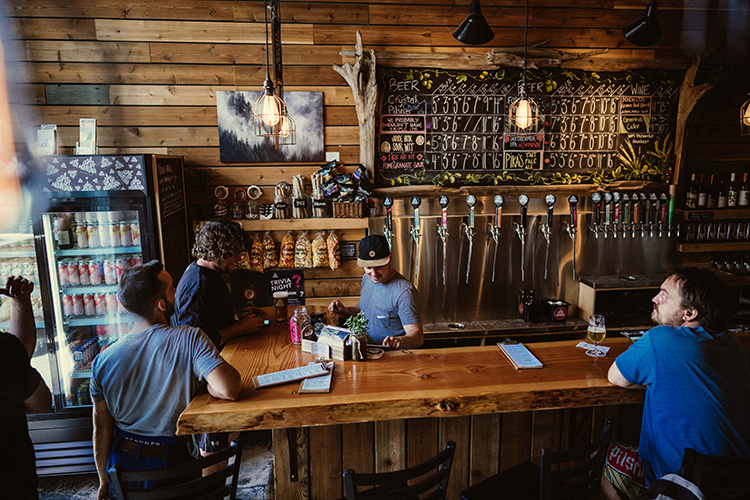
(268, 108)
(287, 131)
(645, 31)
(524, 112)
(745, 117)
(474, 30)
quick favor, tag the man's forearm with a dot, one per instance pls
(104, 428)
(22, 323)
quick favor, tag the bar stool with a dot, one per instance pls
(576, 478)
(721, 478)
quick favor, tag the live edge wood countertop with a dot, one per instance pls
(442, 382)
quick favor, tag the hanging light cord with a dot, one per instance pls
(265, 14)
(525, 48)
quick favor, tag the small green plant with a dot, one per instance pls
(357, 323)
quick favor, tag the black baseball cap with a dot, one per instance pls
(373, 251)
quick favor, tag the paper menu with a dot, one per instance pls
(519, 356)
(291, 375)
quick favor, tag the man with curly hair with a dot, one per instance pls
(203, 299)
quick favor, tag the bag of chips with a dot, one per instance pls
(334, 256)
(256, 254)
(303, 252)
(286, 253)
(320, 251)
(270, 260)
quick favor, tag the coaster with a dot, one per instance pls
(374, 353)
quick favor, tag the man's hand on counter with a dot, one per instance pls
(336, 306)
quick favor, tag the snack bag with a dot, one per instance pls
(286, 254)
(320, 251)
(303, 252)
(334, 257)
(270, 260)
(256, 254)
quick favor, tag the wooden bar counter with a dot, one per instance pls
(389, 413)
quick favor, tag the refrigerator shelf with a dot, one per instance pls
(19, 252)
(81, 373)
(6, 325)
(76, 289)
(98, 319)
(78, 252)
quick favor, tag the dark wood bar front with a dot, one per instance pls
(396, 411)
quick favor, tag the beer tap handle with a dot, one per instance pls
(626, 212)
(523, 200)
(388, 203)
(573, 202)
(616, 201)
(607, 212)
(471, 200)
(663, 198)
(443, 202)
(550, 199)
(499, 200)
(596, 198)
(416, 201)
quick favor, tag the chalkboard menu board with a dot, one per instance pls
(448, 127)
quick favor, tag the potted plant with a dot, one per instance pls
(357, 324)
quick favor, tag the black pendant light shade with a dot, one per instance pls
(474, 30)
(646, 30)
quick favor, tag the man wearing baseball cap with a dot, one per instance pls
(388, 300)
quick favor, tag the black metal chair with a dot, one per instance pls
(395, 485)
(719, 478)
(565, 475)
(183, 482)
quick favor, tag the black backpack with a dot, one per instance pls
(672, 487)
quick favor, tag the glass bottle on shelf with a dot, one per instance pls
(743, 199)
(63, 232)
(711, 194)
(732, 191)
(691, 199)
(702, 193)
(721, 194)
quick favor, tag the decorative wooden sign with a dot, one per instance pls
(446, 127)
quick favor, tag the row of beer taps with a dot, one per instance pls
(622, 214)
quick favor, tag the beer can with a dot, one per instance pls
(89, 307)
(110, 300)
(4, 273)
(120, 265)
(136, 261)
(100, 303)
(135, 230)
(105, 237)
(63, 273)
(73, 268)
(77, 304)
(109, 272)
(114, 234)
(126, 235)
(67, 303)
(92, 228)
(82, 235)
(96, 272)
(30, 272)
(83, 272)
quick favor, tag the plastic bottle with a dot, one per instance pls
(297, 324)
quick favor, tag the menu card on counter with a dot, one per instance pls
(519, 356)
(291, 375)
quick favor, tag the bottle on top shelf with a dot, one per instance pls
(702, 193)
(721, 194)
(691, 199)
(743, 198)
(711, 194)
(732, 191)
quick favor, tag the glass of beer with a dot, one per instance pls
(597, 331)
(280, 302)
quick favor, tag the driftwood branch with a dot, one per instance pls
(361, 78)
(690, 94)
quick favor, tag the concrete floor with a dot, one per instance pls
(255, 470)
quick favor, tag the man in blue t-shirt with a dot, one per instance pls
(141, 383)
(389, 300)
(697, 381)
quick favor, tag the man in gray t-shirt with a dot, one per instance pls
(388, 300)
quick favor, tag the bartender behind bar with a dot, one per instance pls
(389, 301)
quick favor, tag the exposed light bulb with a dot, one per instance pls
(746, 116)
(524, 117)
(270, 111)
(284, 129)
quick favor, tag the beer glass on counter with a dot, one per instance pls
(280, 303)
(596, 332)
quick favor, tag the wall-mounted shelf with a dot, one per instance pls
(706, 215)
(301, 224)
(714, 247)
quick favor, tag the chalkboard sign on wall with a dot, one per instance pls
(448, 127)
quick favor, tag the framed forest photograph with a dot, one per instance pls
(239, 144)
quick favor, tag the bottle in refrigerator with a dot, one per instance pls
(63, 232)
(702, 193)
(743, 199)
(691, 199)
(721, 194)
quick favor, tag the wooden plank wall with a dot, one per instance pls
(485, 445)
(149, 72)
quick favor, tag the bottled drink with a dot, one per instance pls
(702, 193)
(711, 194)
(732, 192)
(63, 232)
(743, 199)
(721, 194)
(297, 324)
(691, 199)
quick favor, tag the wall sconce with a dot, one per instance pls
(523, 113)
(745, 117)
(645, 31)
(474, 30)
(268, 108)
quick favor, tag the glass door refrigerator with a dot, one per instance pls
(104, 214)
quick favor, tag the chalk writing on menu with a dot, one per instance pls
(169, 178)
(449, 127)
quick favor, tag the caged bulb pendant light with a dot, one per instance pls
(268, 108)
(287, 131)
(524, 112)
(745, 117)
